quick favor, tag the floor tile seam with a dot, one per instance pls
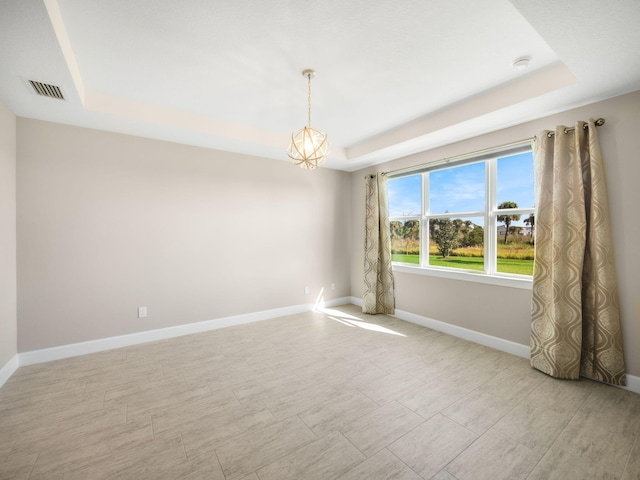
(366, 457)
(400, 460)
(385, 367)
(305, 424)
(301, 378)
(34, 465)
(372, 364)
(550, 449)
(479, 437)
(355, 419)
(575, 414)
(165, 373)
(515, 394)
(220, 464)
(536, 452)
(268, 401)
(417, 378)
(468, 394)
(184, 449)
(479, 434)
(233, 392)
(445, 469)
(528, 394)
(542, 457)
(400, 437)
(422, 384)
(424, 417)
(514, 405)
(275, 459)
(626, 463)
(374, 401)
(541, 452)
(68, 466)
(13, 446)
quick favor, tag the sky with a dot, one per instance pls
(462, 189)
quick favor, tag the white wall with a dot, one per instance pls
(8, 327)
(109, 222)
(505, 312)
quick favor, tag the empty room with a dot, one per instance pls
(271, 240)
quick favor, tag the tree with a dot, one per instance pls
(531, 221)
(475, 236)
(412, 229)
(445, 235)
(507, 219)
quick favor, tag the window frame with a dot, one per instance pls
(490, 273)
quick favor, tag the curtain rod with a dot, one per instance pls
(598, 123)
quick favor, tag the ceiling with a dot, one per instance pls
(394, 76)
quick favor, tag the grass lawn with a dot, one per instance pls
(510, 265)
(505, 265)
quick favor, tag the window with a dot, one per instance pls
(472, 215)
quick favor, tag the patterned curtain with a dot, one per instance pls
(576, 326)
(378, 277)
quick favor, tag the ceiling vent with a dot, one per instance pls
(46, 90)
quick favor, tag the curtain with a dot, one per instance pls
(576, 326)
(378, 276)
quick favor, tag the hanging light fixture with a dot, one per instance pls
(309, 147)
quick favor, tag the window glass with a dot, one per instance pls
(515, 243)
(515, 231)
(457, 242)
(405, 241)
(457, 189)
(515, 180)
(405, 194)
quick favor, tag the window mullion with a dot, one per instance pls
(424, 222)
(491, 247)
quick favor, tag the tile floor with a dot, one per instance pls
(332, 395)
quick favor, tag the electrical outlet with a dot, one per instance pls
(333, 286)
(306, 289)
(142, 312)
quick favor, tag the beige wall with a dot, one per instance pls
(503, 311)
(109, 222)
(8, 327)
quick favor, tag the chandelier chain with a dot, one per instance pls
(308, 100)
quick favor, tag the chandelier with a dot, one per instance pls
(309, 147)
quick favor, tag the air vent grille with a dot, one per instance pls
(46, 90)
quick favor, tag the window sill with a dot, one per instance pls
(468, 276)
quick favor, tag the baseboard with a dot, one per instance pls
(9, 369)
(471, 335)
(357, 301)
(99, 345)
(633, 382)
(93, 346)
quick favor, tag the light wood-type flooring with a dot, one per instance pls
(331, 395)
